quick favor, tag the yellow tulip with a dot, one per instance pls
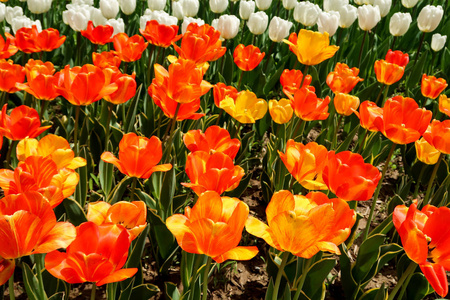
(280, 111)
(345, 104)
(444, 104)
(246, 109)
(426, 153)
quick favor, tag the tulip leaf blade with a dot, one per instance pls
(273, 80)
(418, 287)
(117, 193)
(144, 291)
(31, 284)
(349, 283)
(74, 211)
(269, 291)
(417, 71)
(316, 275)
(168, 187)
(387, 252)
(106, 175)
(172, 292)
(375, 294)
(131, 113)
(368, 255)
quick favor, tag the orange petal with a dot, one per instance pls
(119, 275)
(6, 269)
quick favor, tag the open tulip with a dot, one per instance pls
(23, 122)
(248, 57)
(343, 79)
(49, 39)
(304, 225)
(129, 48)
(10, 75)
(292, 79)
(138, 156)
(106, 59)
(426, 153)
(426, 240)
(281, 111)
(126, 86)
(212, 172)
(214, 139)
(349, 177)
(160, 34)
(6, 48)
(306, 163)
(307, 106)
(431, 86)
(213, 227)
(345, 104)
(100, 35)
(247, 108)
(438, 135)
(221, 90)
(25, 39)
(399, 23)
(391, 70)
(429, 18)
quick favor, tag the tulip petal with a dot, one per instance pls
(61, 235)
(178, 225)
(261, 230)
(238, 253)
(6, 269)
(119, 275)
(437, 277)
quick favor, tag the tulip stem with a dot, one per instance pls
(38, 259)
(306, 265)
(393, 43)
(240, 80)
(149, 68)
(377, 191)
(333, 144)
(11, 287)
(401, 282)
(94, 288)
(386, 90)
(361, 50)
(361, 145)
(418, 49)
(12, 145)
(133, 188)
(75, 130)
(284, 260)
(172, 128)
(299, 124)
(43, 108)
(108, 121)
(305, 72)
(205, 279)
(380, 93)
(430, 183)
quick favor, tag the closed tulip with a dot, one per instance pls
(432, 87)
(159, 34)
(117, 24)
(129, 48)
(343, 79)
(218, 6)
(247, 108)
(279, 29)
(438, 42)
(177, 9)
(10, 75)
(334, 5)
(425, 152)
(248, 57)
(156, 4)
(368, 17)
(429, 18)
(127, 6)
(100, 35)
(347, 15)
(12, 12)
(257, 22)
(2, 11)
(246, 8)
(345, 104)
(77, 17)
(228, 26)
(96, 16)
(391, 69)
(190, 7)
(328, 22)
(281, 111)
(160, 16)
(384, 5)
(109, 8)
(444, 104)
(368, 113)
(289, 4)
(409, 3)
(438, 135)
(23, 21)
(399, 23)
(263, 4)
(306, 13)
(307, 106)
(39, 7)
(291, 80)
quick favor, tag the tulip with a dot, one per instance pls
(2, 11)
(248, 57)
(438, 134)
(368, 17)
(218, 6)
(23, 21)
(190, 7)
(189, 20)
(307, 106)
(334, 5)
(425, 241)
(49, 39)
(343, 79)
(77, 17)
(6, 48)
(169, 107)
(96, 16)
(257, 22)
(409, 3)
(246, 8)
(12, 13)
(345, 104)
(212, 172)
(348, 14)
(368, 113)
(349, 177)
(39, 7)
(444, 104)
(162, 17)
(429, 18)
(106, 59)
(306, 163)
(97, 255)
(306, 13)
(431, 86)
(438, 42)
(426, 153)
(159, 34)
(6, 265)
(117, 24)
(391, 70)
(263, 4)
(26, 39)
(156, 4)
(100, 35)
(213, 227)
(109, 8)
(138, 156)
(10, 75)
(126, 86)
(247, 108)
(228, 26)
(399, 23)
(279, 29)
(280, 111)
(221, 91)
(328, 22)
(384, 5)
(292, 79)
(289, 4)
(177, 9)
(127, 6)
(293, 223)
(214, 139)
(23, 122)
(311, 47)
(40, 80)
(129, 48)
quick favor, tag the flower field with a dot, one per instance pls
(193, 149)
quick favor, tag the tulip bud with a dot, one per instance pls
(156, 4)
(77, 16)
(177, 9)
(399, 23)
(348, 15)
(187, 21)
(23, 21)
(289, 4)
(279, 29)
(334, 5)
(215, 24)
(228, 25)
(345, 104)
(281, 111)
(13, 12)
(127, 6)
(328, 22)
(257, 23)
(218, 6)
(444, 104)
(429, 18)
(263, 4)
(368, 17)
(190, 8)
(246, 8)
(306, 13)
(409, 3)
(118, 25)
(39, 6)
(438, 41)
(426, 153)
(2, 11)
(384, 5)
(96, 16)
(109, 8)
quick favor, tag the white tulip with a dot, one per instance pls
(117, 24)
(328, 22)
(289, 4)
(161, 16)
(189, 20)
(263, 4)
(438, 41)
(83, 2)
(334, 5)
(409, 3)
(306, 13)
(228, 25)
(109, 8)
(399, 23)
(215, 24)
(12, 13)
(218, 6)
(429, 18)
(246, 8)
(2, 11)
(77, 16)
(23, 21)
(177, 9)
(257, 23)
(157, 4)
(190, 8)
(39, 6)
(127, 6)
(384, 5)
(96, 16)
(368, 17)
(279, 29)
(348, 15)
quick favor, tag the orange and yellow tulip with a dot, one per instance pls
(291, 79)
(349, 177)
(438, 135)
(247, 108)
(343, 79)
(160, 35)
(307, 106)
(6, 48)
(391, 69)
(221, 90)
(106, 59)
(126, 85)
(431, 86)
(426, 153)
(281, 111)
(213, 227)
(345, 104)
(306, 163)
(100, 35)
(368, 113)
(311, 47)
(212, 172)
(214, 139)
(131, 215)
(10, 75)
(23, 122)
(444, 104)
(248, 57)
(138, 156)
(426, 241)
(129, 48)
(304, 225)
(97, 255)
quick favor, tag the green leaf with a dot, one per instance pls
(418, 287)
(367, 256)
(164, 238)
(237, 192)
(118, 191)
(269, 292)
(346, 143)
(106, 176)
(375, 294)
(144, 291)
(273, 80)
(384, 227)
(131, 113)
(167, 193)
(313, 286)
(75, 212)
(125, 293)
(387, 252)
(172, 292)
(287, 293)
(31, 284)
(416, 73)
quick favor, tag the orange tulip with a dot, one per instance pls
(248, 57)
(96, 255)
(106, 59)
(438, 135)
(10, 74)
(343, 79)
(99, 35)
(83, 85)
(213, 227)
(126, 85)
(349, 177)
(138, 156)
(23, 122)
(307, 106)
(345, 104)
(431, 86)
(160, 34)
(391, 70)
(425, 239)
(215, 139)
(311, 47)
(212, 172)
(304, 225)
(129, 48)
(403, 122)
(221, 90)
(426, 153)
(40, 80)
(131, 215)
(7, 267)
(28, 226)
(26, 39)
(281, 111)
(186, 111)
(444, 104)
(291, 80)
(368, 113)
(49, 40)
(200, 44)
(306, 163)
(6, 48)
